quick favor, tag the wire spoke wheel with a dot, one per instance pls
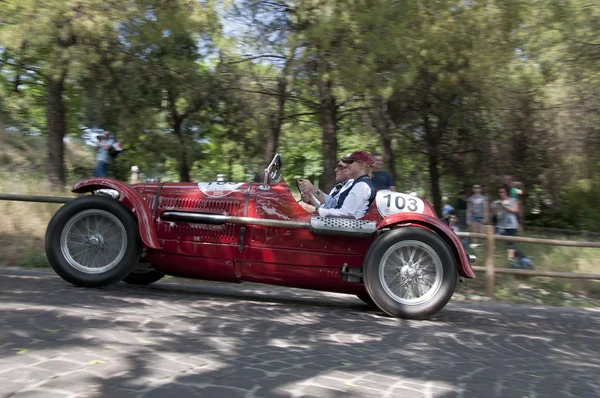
(411, 272)
(93, 241)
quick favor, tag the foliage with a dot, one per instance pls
(577, 209)
(453, 93)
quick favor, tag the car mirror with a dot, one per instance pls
(274, 172)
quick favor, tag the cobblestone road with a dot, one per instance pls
(217, 340)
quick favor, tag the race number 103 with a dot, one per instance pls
(401, 203)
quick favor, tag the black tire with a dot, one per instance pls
(365, 298)
(422, 241)
(143, 276)
(112, 219)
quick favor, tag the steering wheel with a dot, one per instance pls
(274, 172)
(313, 199)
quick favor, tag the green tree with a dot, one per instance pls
(44, 44)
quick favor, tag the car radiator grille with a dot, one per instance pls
(200, 232)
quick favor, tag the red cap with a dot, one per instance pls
(361, 156)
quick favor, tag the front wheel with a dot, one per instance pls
(410, 272)
(92, 241)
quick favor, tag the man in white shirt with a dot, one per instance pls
(355, 201)
(328, 201)
(105, 142)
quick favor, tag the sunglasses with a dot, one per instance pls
(349, 160)
(341, 167)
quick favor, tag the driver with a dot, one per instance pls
(357, 199)
(327, 201)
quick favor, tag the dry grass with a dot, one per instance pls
(23, 224)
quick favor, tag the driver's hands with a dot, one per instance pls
(306, 186)
(307, 207)
(305, 197)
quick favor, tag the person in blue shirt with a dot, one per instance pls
(105, 142)
(448, 209)
(381, 179)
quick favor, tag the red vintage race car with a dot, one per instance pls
(400, 256)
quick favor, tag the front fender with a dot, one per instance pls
(439, 227)
(139, 208)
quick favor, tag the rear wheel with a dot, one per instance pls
(92, 241)
(410, 273)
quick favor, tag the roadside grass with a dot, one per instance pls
(23, 224)
(22, 171)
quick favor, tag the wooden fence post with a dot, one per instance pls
(490, 248)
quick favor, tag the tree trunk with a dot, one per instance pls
(276, 119)
(432, 139)
(184, 167)
(55, 115)
(387, 127)
(434, 175)
(390, 160)
(327, 110)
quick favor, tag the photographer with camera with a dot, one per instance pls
(106, 149)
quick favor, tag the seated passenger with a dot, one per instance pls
(357, 199)
(331, 200)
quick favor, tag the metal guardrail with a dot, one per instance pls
(490, 246)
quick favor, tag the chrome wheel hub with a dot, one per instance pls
(411, 272)
(96, 240)
(93, 241)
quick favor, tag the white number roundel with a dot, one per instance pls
(389, 203)
(218, 188)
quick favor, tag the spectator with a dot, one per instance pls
(381, 179)
(517, 189)
(103, 157)
(448, 209)
(477, 210)
(514, 192)
(507, 224)
(452, 222)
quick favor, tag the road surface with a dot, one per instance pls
(217, 340)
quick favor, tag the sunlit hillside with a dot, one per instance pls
(22, 171)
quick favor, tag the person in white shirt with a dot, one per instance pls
(328, 201)
(356, 200)
(105, 142)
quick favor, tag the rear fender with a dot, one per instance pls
(440, 228)
(131, 199)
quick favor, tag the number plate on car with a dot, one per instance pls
(389, 203)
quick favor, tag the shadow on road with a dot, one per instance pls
(264, 341)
